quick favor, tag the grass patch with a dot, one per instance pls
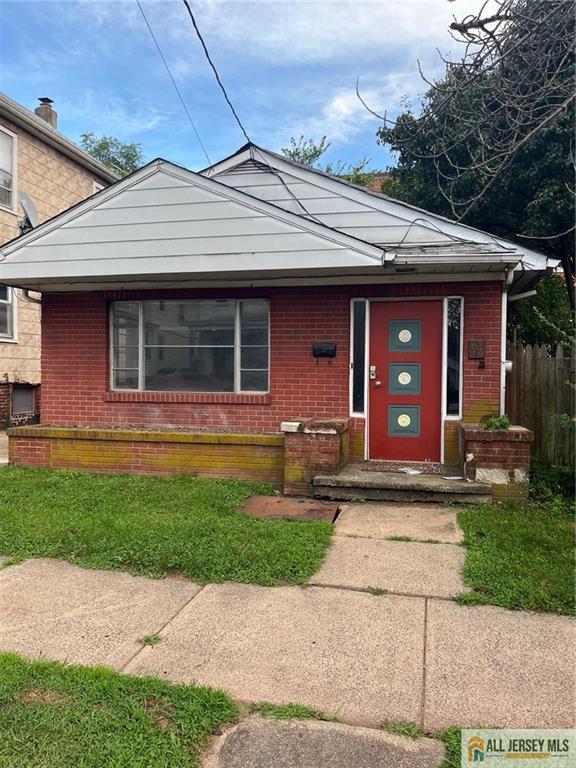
(404, 728)
(154, 526)
(399, 538)
(519, 556)
(291, 711)
(75, 717)
(451, 738)
(148, 640)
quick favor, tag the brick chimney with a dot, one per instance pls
(46, 112)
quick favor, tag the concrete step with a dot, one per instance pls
(353, 483)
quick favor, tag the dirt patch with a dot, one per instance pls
(35, 696)
(160, 713)
(289, 508)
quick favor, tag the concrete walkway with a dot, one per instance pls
(366, 658)
(260, 743)
(363, 554)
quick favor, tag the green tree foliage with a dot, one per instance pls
(448, 156)
(120, 157)
(545, 318)
(308, 152)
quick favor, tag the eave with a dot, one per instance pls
(28, 121)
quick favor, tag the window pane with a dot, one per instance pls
(254, 322)
(453, 357)
(5, 196)
(22, 400)
(3, 293)
(254, 381)
(6, 146)
(198, 369)
(358, 355)
(5, 319)
(189, 323)
(125, 357)
(254, 357)
(125, 314)
(125, 379)
(125, 337)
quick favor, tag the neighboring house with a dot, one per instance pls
(204, 317)
(41, 174)
(378, 178)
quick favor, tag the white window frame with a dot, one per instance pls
(97, 186)
(445, 415)
(13, 208)
(141, 351)
(12, 302)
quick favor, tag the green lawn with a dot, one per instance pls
(154, 526)
(520, 557)
(56, 716)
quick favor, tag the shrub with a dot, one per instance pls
(493, 423)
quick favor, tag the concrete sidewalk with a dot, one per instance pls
(366, 658)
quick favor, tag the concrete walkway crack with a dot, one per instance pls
(424, 665)
(166, 624)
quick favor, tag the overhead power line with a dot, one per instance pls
(174, 83)
(216, 75)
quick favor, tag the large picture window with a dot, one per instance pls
(6, 313)
(190, 346)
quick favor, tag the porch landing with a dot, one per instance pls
(355, 483)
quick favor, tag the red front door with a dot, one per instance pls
(405, 380)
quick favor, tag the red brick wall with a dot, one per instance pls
(75, 376)
(4, 405)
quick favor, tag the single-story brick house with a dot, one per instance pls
(198, 321)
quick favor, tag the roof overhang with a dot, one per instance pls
(42, 130)
(527, 258)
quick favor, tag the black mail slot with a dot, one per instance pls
(324, 349)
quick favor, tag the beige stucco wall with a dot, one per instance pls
(54, 182)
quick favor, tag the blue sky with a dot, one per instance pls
(289, 67)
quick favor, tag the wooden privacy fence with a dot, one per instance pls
(538, 393)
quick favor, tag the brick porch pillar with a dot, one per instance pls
(312, 447)
(500, 457)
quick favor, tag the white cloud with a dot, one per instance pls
(343, 115)
(300, 31)
(126, 118)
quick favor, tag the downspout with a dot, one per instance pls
(26, 295)
(503, 323)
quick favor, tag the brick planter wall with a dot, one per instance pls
(312, 447)
(247, 457)
(500, 457)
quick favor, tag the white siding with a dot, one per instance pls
(366, 220)
(171, 221)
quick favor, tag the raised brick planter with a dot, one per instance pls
(312, 447)
(500, 457)
(211, 454)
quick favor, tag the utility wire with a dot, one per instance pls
(174, 82)
(216, 75)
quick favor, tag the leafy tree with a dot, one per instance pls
(120, 157)
(479, 150)
(544, 318)
(308, 152)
